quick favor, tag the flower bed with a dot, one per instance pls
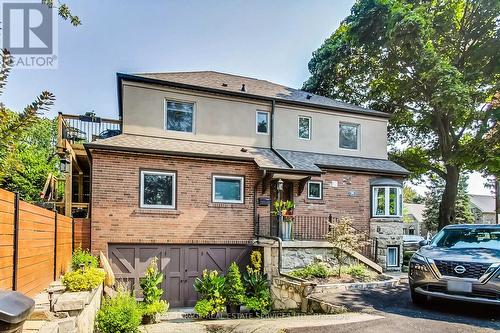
(323, 273)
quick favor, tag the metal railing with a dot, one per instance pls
(87, 128)
(313, 228)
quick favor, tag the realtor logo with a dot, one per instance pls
(29, 32)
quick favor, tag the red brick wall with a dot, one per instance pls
(336, 200)
(117, 218)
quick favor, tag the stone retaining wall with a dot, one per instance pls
(288, 294)
(73, 312)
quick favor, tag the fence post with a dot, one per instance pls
(16, 241)
(55, 245)
(72, 235)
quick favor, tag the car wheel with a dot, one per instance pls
(417, 298)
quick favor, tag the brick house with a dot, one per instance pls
(193, 174)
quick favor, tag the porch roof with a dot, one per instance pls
(317, 161)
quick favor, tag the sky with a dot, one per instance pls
(270, 40)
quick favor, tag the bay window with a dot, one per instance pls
(387, 201)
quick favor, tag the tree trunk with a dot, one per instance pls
(447, 205)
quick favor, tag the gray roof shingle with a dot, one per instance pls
(233, 83)
(314, 161)
(265, 158)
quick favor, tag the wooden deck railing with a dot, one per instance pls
(86, 128)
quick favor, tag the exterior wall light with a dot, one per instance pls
(64, 164)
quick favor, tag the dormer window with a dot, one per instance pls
(349, 136)
(179, 116)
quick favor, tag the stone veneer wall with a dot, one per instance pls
(389, 232)
(298, 257)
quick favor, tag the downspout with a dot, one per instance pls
(273, 106)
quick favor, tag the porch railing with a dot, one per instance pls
(87, 128)
(313, 228)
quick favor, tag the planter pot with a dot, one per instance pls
(231, 309)
(286, 230)
(149, 319)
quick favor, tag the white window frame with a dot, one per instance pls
(165, 115)
(162, 173)
(257, 122)
(358, 139)
(399, 203)
(395, 248)
(310, 127)
(320, 190)
(242, 189)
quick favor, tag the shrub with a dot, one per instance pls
(233, 291)
(357, 271)
(152, 305)
(260, 305)
(149, 283)
(83, 258)
(83, 279)
(207, 308)
(119, 314)
(314, 270)
(210, 287)
(256, 286)
(154, 308)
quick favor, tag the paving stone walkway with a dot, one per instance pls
(256, 325)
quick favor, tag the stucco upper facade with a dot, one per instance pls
(219, 118)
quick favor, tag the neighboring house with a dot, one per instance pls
(193, 175)
(413, 218)
(483, 207)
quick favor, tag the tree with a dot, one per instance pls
(344, 240)
(411, 196)
(463, 210)
(434, 66)
(29, 158)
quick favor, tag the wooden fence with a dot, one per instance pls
(82, 232)
(35, 245)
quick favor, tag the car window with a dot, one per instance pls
(468, 238)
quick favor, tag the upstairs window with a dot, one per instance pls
(304, 128)
(348, 136)
(157, 189)
(315, 190)
(387, 201)
(262, 122)
(228, 189)
(179, 116)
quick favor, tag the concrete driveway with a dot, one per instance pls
(402, 316)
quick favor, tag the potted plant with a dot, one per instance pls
(284, 209)
(210, 287)
(152, 305)
(233, 291)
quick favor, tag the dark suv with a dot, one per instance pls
(462, 262)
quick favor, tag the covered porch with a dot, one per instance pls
(311, 219)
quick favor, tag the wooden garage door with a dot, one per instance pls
(180, 264)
